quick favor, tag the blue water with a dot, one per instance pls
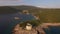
(7, 21)
(52, 30)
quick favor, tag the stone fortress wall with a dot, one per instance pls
(19, 30)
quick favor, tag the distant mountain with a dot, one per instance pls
(27, 7)
(24, 7)
(46, 14)
(7, 10)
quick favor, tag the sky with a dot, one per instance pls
(37, 3)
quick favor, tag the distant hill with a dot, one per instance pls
(46, 14)
(31, 9)
(24, 7)
(7, 10)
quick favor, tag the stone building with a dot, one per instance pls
(28, 26)
(25, 12)
(28, 30)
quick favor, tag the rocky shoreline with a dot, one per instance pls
(37, 30)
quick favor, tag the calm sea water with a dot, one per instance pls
(52, 30)
(7, 21)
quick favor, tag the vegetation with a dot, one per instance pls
(34, 23)
(46, 15)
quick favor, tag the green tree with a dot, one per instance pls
(34, 23)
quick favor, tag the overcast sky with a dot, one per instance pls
(38, 3)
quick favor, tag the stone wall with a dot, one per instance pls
(19, 30)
